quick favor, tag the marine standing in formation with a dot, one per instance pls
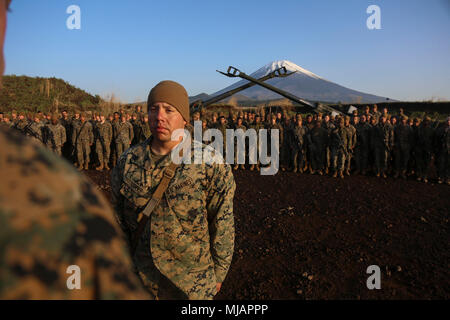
(178, 218)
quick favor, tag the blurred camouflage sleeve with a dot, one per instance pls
(51, 218)
(220, 218)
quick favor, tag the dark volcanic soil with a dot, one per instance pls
(301, 236)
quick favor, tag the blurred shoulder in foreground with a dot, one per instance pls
(51, 218)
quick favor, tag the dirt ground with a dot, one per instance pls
(301, 236)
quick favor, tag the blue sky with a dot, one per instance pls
(126, 47)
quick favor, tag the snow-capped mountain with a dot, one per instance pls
(302, 83)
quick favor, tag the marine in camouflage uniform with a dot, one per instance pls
(273, 125)
(351, 144)
(55, 135)
(238, 126)
(114, 123)
(21, 123)
(35, 129)
(222, 127)
(381, 140)
(186, 246)
(403, 140)
(329, 126)
(123, 135)
(103, 137)
(257, 125)
(339, 142)
(136, 123)
(317, 139)
(309, 125)
(285, 156)
(146, 133)
(52, 218)
(361, 151)
(424, 149)
(82, 140)
(298, 145)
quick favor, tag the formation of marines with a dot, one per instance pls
(370, 142)
(90, 142)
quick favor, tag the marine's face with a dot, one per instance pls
(164, 119)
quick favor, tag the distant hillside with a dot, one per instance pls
(44, 94)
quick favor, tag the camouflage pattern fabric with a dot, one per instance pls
(55, 137)
(403, 137)
(123, 135)
(298, 143)
(189, 239)
(339, 142)
(51, 217)
(82, 139)
(104, 135)
(318, 141)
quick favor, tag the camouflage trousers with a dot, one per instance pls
(338, 157)
(83, 152)
(401, 157)
(381, 156)
(121, 146)
(103, 152)
(298, 158)
(348, 160)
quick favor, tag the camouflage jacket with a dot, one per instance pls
(21, 124)
(298, 137)
(190, 235)
(339, 139)
(104, 132)
(382, 136)
(55, 135)
(36, 131)
(123, 132)
(146, 133)
(82, 131)
(280, 132)
(51, 218)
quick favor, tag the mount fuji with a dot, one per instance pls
(302, 83)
